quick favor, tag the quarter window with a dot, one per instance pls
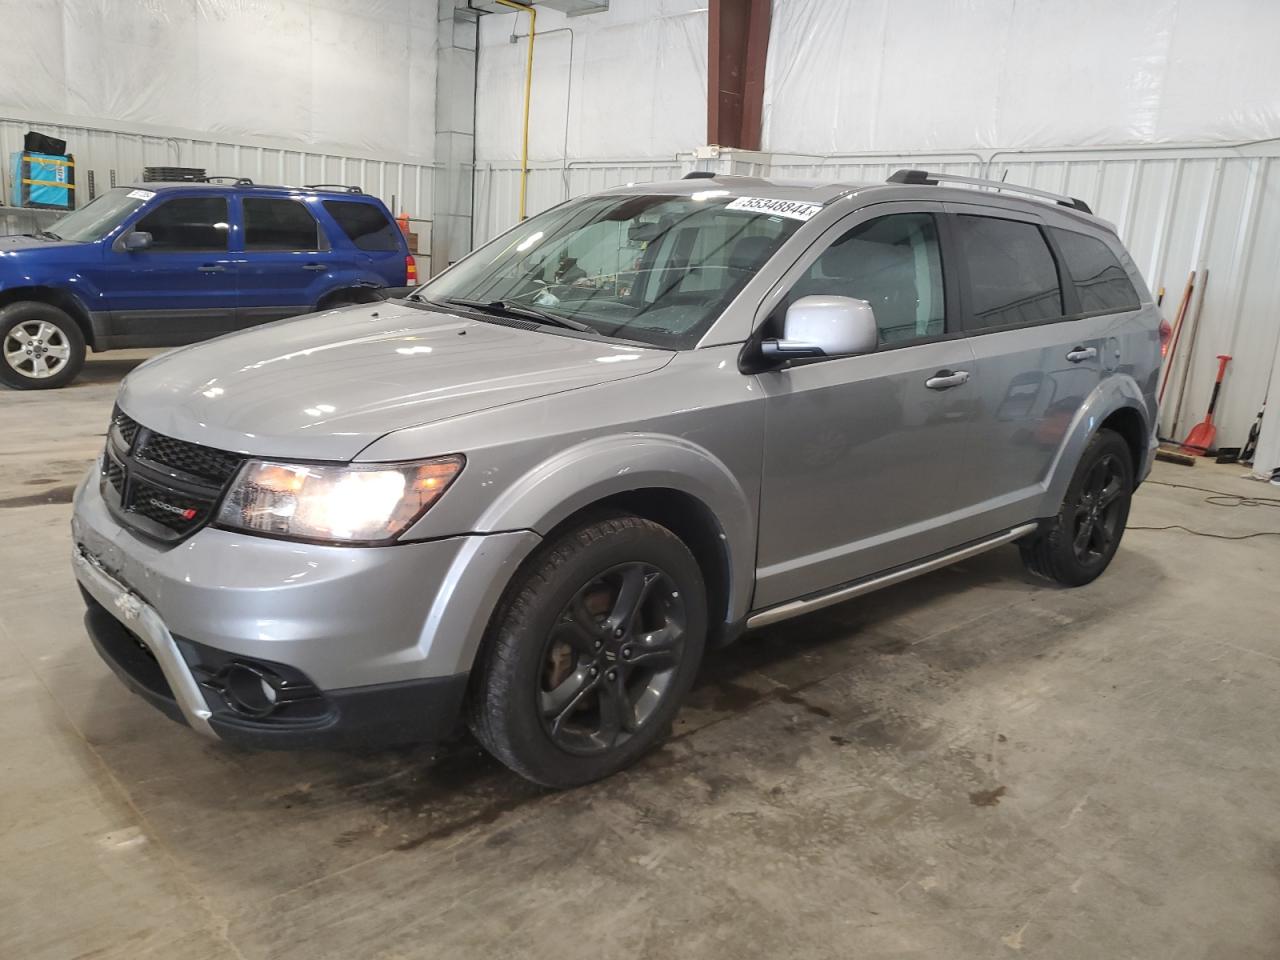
(187, 223)
(1100, 280)
(279, 224)
(1012, 275)
(365, 225)
(894, 263)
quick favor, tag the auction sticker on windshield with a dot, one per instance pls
(141, 194)
(794, 209)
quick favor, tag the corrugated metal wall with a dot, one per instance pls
(104, 151)
(1178, 209)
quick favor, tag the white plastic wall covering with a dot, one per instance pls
(326, 76)
(864, 75)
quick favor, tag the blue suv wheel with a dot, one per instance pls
(41, 348)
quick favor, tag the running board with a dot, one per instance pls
(795, 608)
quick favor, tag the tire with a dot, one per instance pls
(349, 297)
(1077, 545)
(41, 347)
(575, 682)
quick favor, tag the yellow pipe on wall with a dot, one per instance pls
(528, 93)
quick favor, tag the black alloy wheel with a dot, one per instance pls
(611, 657)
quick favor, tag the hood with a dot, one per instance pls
(15, 244)
(325, 386)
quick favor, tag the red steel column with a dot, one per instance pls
(738, 45)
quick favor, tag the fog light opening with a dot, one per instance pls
(252, 691)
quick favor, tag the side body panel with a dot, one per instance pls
(861, 458)
(1043, 388)
(693, 427)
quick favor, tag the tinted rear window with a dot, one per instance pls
(366, 226)
(1099, 278)
(1012, 276)
(279, 224)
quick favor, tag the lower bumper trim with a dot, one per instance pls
(371, 717)
(140, 620)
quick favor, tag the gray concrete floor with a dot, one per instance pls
(968, 765)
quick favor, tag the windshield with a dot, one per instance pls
(100, 216)
(650, 268)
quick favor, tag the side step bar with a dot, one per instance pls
(795, 608)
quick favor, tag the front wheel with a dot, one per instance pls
(41, 347)
(1077, 545)
(592, 654)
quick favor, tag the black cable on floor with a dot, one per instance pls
(1241, 500)
(1218, 499)
(1215, 536)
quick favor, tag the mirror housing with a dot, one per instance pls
(137, 241)
(825, 326)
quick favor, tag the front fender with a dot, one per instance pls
(1116, 392)
(584, 474)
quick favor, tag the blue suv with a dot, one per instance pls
(164, 264)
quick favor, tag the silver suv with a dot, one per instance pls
(533, 492)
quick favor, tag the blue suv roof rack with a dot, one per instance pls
(332, 186)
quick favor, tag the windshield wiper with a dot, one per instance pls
(47, 235)
(509, 309)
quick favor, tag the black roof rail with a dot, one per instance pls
(237, 181)
(346, 188)
(699, 175)
(926, 178)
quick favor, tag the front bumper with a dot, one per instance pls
(138, 647)
(375, 643)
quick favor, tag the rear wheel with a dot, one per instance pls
(588, 661)
(1078, 544)
(41, 347)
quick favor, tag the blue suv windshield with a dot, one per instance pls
(100, 216)
(653, 268)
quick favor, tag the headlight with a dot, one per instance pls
(359, 502)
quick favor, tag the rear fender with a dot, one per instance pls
(1114, 393)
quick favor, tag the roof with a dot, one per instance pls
(824, 192)
(812, 191)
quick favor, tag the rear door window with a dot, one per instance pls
(187, 223)
(1100, 281)
(1013, 278)
(365, 225)
(276, 223)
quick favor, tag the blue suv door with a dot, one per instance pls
(183, 286)
(286, 261)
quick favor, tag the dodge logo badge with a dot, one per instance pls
(186, 513)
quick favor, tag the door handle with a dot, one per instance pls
(1081, 354)
(946, 379)
(315, 266)
(212, 268)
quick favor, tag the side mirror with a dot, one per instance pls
(824, 326)
(137, 241)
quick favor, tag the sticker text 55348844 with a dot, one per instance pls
(795, 209)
